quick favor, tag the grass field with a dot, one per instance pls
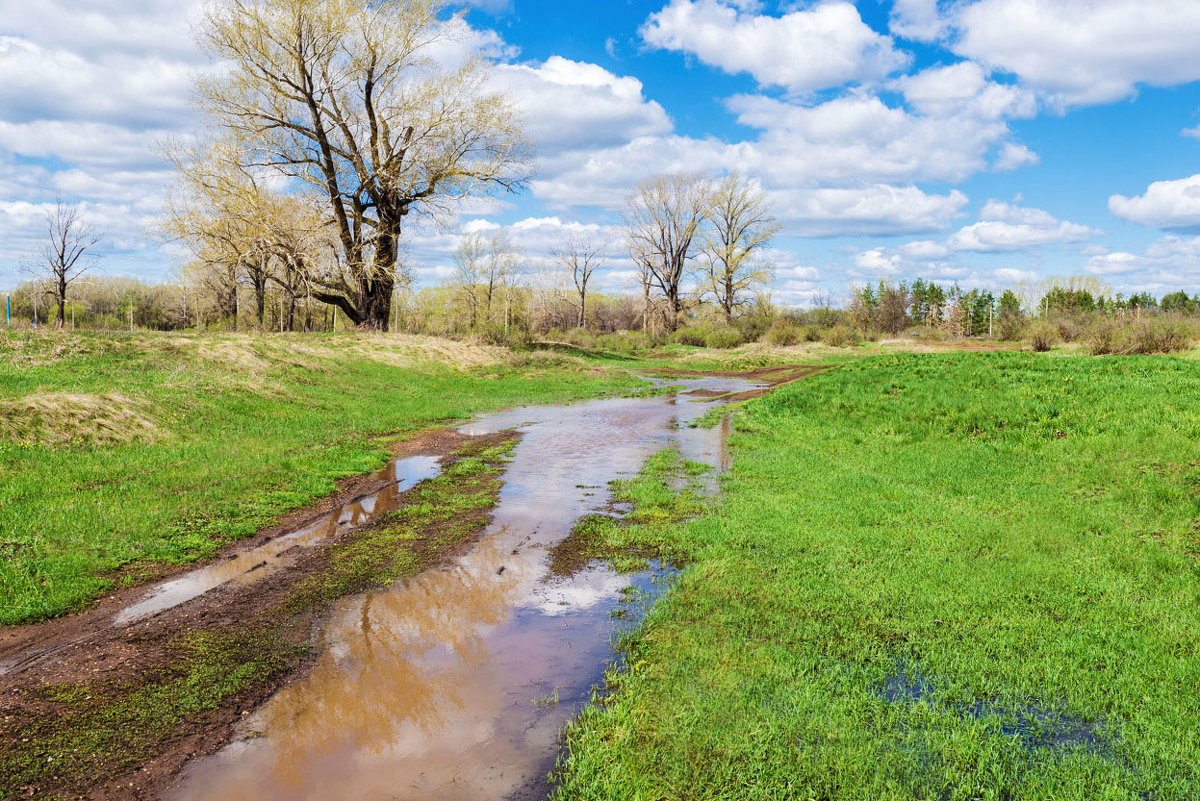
(967, 576)
(122, 451)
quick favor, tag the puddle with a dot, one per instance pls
(272, 556)
(1033, 727)
(456, 684)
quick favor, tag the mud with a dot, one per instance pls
(456, 684)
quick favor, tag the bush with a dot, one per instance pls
(1043, 336)
(1011, 327)
(1069, 330)
(812, 333)
(840, 336)
(723, 338)
(1159, 335)
(784, 333)
(1155, 335)
(693, 335)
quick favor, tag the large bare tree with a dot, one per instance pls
(579, 257)
(741, 227)
(663, 218)
(65, 255)
(349, 98)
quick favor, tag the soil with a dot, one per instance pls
(86, 649)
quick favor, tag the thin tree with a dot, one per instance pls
(348, 99)
(742, 226)
(468, 261)
(66, 255)
(663, 218)
(579, 257)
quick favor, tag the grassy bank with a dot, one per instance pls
(121, 452)
(932, 576)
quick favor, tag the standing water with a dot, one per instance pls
(456, 684)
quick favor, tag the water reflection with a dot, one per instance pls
(455, 684)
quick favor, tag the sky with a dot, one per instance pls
(983, 142)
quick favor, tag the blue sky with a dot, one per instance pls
(987, 142)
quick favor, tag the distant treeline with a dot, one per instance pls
(520, 308)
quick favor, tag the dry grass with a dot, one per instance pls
(60, 418)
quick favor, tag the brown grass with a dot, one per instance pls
(60, 418)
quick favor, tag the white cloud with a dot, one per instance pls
(1011, 275)
(860, 138)
(917, 20)
(1168, 264)
(1172, 205)
(1191, 133)
(1081, 52)
(569, 105)
(820, 47)
(880, 209)
(878, 262)
(1013, 156)
(1007, 227)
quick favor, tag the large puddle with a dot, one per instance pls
(456, 684)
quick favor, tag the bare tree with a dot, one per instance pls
(663, 218)
(579, 257)
(742, 226)
(348, 98)
(468, 260)
(65, 257)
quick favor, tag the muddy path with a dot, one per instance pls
(69, 686)
(451, 682)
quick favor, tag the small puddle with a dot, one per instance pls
(456, 684)
(254, 565)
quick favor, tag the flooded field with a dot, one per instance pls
(456, 684)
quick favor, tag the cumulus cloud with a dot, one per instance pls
(809, 49)
(1082, 52)
(918, 20)
(879, 209)
(570, 105)
(1006, 227)
(1168, 264)
(1171, 205)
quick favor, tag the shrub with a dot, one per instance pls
(1011, 327)
(723, 338)
(1159, 335)
(840, 336)
(1043, 336)
(1069, 330)
(784, 333)
(812, 333)
(693, 335)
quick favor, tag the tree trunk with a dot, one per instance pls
(582, 307)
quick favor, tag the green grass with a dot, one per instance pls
(967, 576)
(245, 429)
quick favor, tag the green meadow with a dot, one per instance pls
(967, 576)
(120, 453)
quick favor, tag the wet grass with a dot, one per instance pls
(641, 527)
(244, 429)
(67, 739)
(967, 576)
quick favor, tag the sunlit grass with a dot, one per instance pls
(947, 577)
(237, 441)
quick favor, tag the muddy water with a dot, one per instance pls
(402, 474)
(456, 684)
